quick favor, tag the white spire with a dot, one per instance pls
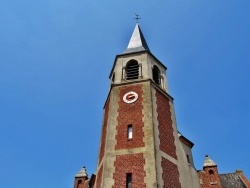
(209, 162)
(82, 173)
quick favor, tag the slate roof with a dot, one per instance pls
(137, 42)
(231, 180)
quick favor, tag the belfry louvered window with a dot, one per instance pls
(156, 74)
(132, 70)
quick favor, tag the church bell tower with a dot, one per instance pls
(140, 145)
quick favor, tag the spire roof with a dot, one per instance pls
(137, 41)
(82, 173)
(208, 162)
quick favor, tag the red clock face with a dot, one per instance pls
(130, 97)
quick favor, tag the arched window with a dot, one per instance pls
(212, 176)
(156, 74)
(79, 184)
(132, 70)
(211, 172)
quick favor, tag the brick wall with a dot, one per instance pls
(130, 114)
(170, 174)
(210, 178)
(129, 163)
(166, 136)
(81, 182)
(104, 130)
(99, 177)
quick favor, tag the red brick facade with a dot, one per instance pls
(130, 163)
(81, 182)
(209, 177)
(130, 114)
(166, 130)
(170, 174)
(99, 177)
(104, 130)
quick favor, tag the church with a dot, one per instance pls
(140, 145)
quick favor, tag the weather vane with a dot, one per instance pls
(137, 17)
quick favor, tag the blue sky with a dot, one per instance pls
(55, 58)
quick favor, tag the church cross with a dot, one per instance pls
(137, 17)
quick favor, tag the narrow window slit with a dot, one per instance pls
(130, 132)
(129, 180)
(188, 160)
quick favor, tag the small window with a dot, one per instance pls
(132, 70)
(129, 180)
(113, 77)
(188, 160)
(211, 172)
(156, 74)
(79, 183)
(213, 179)
(130, 132)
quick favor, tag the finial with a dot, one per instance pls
(137, 17)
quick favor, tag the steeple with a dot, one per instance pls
(209, 162)
(137, 42)
(139, 145)
(209, 176)
(81, 179)
(82, 173)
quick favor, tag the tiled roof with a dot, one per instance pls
(231, 180)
